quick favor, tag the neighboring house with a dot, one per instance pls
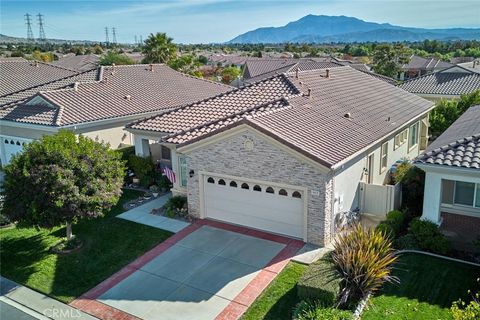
(78, 63)
(474, 64)
(96, 103)
(419, 66)
(287, 154)
(452, 178)
(448, 83)
(259, 69)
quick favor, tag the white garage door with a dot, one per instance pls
(256, 205)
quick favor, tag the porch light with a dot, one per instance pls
(191, 173)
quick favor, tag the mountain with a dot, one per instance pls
(325, 29)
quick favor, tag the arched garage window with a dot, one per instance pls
(221, 182)
(297, 194)
(233, 184)
(245, 186)
(257, 188)
(270, 190)
(210, 180)
(6, 141)
(283, 192)
(18, 143)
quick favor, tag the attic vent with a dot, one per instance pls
(347, 115)
(309, 92)
(388, 119)
(128, 97)
(327, 73)
(150, 67)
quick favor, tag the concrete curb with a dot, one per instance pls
(437, 256)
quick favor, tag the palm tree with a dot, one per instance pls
(159, 48)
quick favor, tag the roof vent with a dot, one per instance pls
(128, 97)
(150, 67)
(327, 73)
(75, 86)
(105, 80)
(388, 119)
(296, 73)
(309, 93)
(347, 115)
(36, 63)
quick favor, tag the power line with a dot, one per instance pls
(114, 36)
(28, 22)
(41, 31)
(107, 40)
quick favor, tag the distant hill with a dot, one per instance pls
(326, 29)
(14, 40)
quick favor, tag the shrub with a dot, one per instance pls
(463, 311)
(428, 237)
(364, 259)
(387, 229)
(143, 168)
(407, 241)
(393, 225)
(320, 282)
(4, 220)
(175, 206)
(412, 180)
(313, 310)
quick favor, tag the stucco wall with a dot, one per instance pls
(265, 162)
(115, 136)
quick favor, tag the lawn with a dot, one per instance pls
(278, 300)
(428, 286)
(109, 244)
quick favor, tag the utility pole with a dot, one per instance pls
(141, 40)
(41, 31)
(107, 40)
(28, 22)
(114, 36)
(136, 42)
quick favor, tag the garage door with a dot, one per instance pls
(256, 205)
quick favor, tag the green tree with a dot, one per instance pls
(60, 179)
(119, 59)
(229, 74)
(97, 49)
(159, 48)
(388, 60)
(186, 63)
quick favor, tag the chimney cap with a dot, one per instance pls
(150, 67)
(347, 115)
(128, 97)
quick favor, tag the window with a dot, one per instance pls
(211, 180)
(465, 193)
(245, 186)
(283, 192)
(233, 184)
(477, 198)
(270, 190)
(166, 153)
(221, 182)
(257, 188)
(297, 194)
(384, 157)
(400, 139)
(182, 161)
(413, 137)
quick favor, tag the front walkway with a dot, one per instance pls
(209, 270)
(141, 214)
(21, 303)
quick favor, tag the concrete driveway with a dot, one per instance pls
(196, 278)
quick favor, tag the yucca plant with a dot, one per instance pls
(364, 259)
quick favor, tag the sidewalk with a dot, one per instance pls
(18, 303)
(141, 214)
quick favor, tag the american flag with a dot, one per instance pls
(170, 174)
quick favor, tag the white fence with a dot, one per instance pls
(379, 199)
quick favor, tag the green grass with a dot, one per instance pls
(109, 244)
(279, 299)
(427, 288)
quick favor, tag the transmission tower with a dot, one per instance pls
(114, 36)
(136, 42)
(28, 22)
(107, 40)
(41, 31)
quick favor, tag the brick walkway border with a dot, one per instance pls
(88, 303)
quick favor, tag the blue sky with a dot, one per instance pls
(204, 21)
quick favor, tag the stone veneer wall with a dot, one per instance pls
(269, 163)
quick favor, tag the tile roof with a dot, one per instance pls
(78, 63)
(452, 81)
(314, 124)
(18, 75)
(417, 62)
(123, 90)
(257, 67)
(219, 107)
(459, 145)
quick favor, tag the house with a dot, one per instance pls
(78, 63)
(287, 154)
(452, 178)
(260, 69)
(38, 99)
(418, 66)
(449, 83)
